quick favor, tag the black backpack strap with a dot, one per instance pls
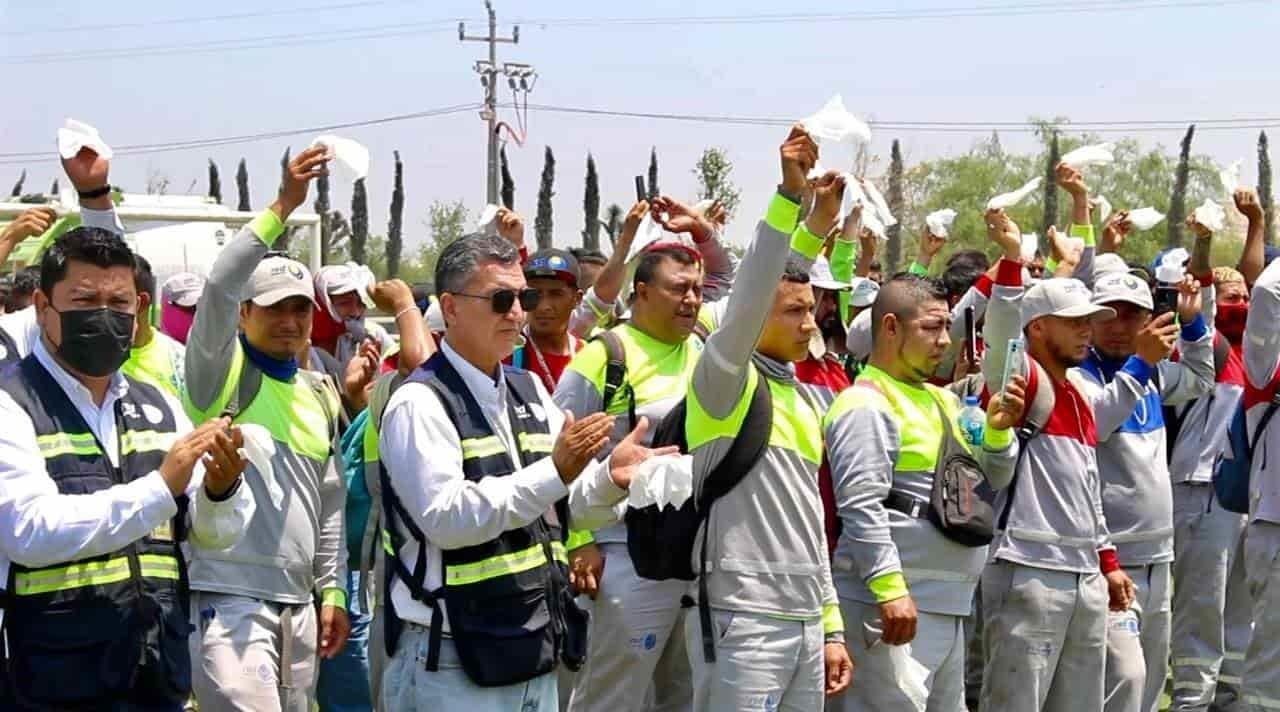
(1264, 421)
(747, 449)
(1221, 354)
(615, 374)
(246, 389)
(1037, 415)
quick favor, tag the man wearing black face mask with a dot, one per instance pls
(99, 485)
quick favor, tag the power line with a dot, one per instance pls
(934, 126)
(1023, 9)
(292, 39)
(148, 148)
(401, 29)
(201, 18)
(969, 127)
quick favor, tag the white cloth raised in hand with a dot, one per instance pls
(487, 223)
(939, 222)
(349, 153)
(1145, 218)
(75, 135)
(1104, 208)
(834, 123)
(1230, 177)
(1097, 155)
(1211, 215)
(1007, 200)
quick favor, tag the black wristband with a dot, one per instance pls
(797, 199)
(95, 193)
(231, 491)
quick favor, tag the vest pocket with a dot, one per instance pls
(503, 637)
(62, 655)
(164, 672)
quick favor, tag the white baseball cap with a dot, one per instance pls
(821, 278)
(1066, 298)
(864, 292)
(183, 289)
(277, 278)
(1122, 287)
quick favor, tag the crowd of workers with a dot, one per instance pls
(998, 489)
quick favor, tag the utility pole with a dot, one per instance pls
(489, 71)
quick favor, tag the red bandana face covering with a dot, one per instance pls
(1230, 320)
(176, 322)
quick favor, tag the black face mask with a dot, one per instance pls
(95, 342)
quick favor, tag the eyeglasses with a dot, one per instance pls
(503, 299)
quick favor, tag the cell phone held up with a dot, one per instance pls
(1165, 299)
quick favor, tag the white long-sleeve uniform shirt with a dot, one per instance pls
(422, 452)
(40, 527)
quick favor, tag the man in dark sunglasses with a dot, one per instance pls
(484, 475)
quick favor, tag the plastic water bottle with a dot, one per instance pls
(972, 420)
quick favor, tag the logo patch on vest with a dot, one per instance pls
(128, 410)
(152, 414)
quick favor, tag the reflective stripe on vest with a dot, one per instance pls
(145, 441)
(535, 442)
(57, 444)
(489, 446)
(503, 565)
(92, 573)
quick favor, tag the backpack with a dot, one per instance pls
(1232, 470)
(1034, 418)
(1172, 418)
(615, 370)
(661, 541)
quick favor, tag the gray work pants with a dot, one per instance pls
(1138, 643)
(1212, 611)
(1045, 635)
(938, 645)
(762, 663)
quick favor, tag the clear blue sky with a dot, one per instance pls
(1201, 62)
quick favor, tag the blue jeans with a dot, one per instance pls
(344, 680)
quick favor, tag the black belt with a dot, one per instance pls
(908, 505)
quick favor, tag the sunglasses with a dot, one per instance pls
(503, 299)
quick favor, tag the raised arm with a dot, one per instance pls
(1070, 180)
(212, 350)
(1004, 309)
(1192, 375)
(718, 263)
(597, 304)
(1253, 256)
(721, 374)
(1262, 328)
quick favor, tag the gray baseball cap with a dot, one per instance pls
(1122, 287)
(183, 289)
(1066, 298)
(278, 278)
(821, 278)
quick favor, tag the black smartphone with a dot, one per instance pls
(1166, 300)
(970, 335)
(641, 193)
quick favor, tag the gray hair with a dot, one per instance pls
(461, 258)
